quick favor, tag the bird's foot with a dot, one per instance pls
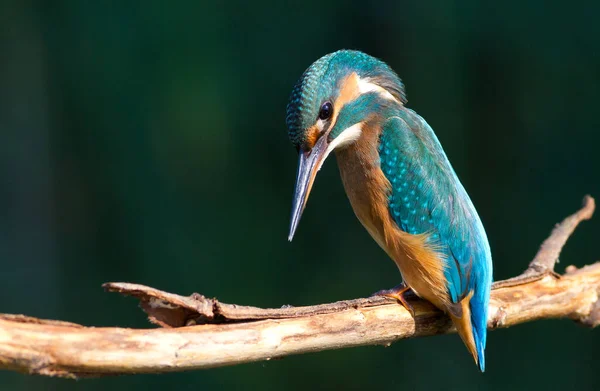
(397, 293)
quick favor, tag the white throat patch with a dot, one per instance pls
(347, 137)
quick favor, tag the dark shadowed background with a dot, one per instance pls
(147, 143)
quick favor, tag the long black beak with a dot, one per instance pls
(309, 163)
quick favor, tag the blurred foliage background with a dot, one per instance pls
(146, 142)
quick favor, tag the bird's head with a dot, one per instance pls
(328, 107)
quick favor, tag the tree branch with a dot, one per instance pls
(199, 332)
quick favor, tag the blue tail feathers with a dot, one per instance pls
(479, 310)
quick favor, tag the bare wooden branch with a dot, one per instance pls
(202, 333)
(547, 256)
(550, 250)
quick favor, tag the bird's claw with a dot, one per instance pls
(397, 293)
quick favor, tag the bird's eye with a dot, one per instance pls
(326, 111)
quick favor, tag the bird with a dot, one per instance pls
(399, 182)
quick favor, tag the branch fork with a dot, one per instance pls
(199, 332)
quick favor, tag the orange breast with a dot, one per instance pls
(422, 268)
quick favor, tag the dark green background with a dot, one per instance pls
(146, 142)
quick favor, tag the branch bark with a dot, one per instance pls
(198, 332)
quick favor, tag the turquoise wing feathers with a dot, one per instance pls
(427, 197)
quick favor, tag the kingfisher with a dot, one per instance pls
(400, 184)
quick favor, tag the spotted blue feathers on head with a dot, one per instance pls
(321, 82)
(303, 100)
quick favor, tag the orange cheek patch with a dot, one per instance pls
(312, 135)
(348, 92)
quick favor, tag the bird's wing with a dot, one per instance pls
(427, 197)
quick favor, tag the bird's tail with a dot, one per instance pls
(470, 319)
(479, 316)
